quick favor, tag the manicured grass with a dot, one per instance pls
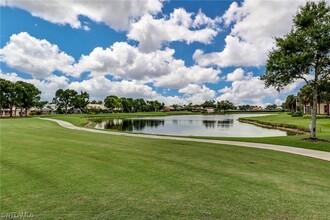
(55, 172)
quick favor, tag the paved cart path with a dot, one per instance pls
(293, 150)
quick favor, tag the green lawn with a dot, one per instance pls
(55, 172)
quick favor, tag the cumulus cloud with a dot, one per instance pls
(180, 76)
(246, 88)
(197, 94)
(125, 61)
(47, 86)
(238, 75)
(36, 57)
(159, 67)
(152, 32)
(235, 53)
(41, 59)
(254, 25)
(99, 87)
(116, 14)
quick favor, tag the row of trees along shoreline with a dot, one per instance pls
(23, 95)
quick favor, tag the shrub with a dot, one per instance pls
(317, 116)
(297, 114)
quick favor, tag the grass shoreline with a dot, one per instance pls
(290, 128)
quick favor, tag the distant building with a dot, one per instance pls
(321, 109)
(256, 108)
(197, 108)
(96, 106)
(169, 108)
(209, 110)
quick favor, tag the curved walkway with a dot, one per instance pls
(293, 150)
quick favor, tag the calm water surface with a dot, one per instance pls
(191, 125)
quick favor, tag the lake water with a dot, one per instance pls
(191, 125)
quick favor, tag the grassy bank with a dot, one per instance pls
(285, 120)
(55, 172)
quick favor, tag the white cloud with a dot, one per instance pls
(255, 24)
(40, 59)
(235, 53)
(238, 75)
(279, 102)
(180, 76)
(246, 88)
(151, 32)
(197, 94)
(125, 61)
(116, 14)
(160, 67)
(47, 86)
(99, 87)
(232, 14)
(202, 20)
(36, 57)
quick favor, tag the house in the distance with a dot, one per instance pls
(96, 106)
(256, 108)
(209, 110)
(321, 109)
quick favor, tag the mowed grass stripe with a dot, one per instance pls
(60, 173)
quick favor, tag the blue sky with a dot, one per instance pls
(174, 51)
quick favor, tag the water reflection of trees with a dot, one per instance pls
(132, 125)
(219, 123)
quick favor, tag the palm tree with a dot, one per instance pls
(305, 95)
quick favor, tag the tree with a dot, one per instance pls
(209, 103)
(11, 97)
(96, 102)
(305, 95)
(290, 103)
(140, 105)
(6, 90)
(65, 99)
(244, 107)
(112, 102)
(303, 53)
(81, 100)
(271, 107)
(154, 106)
(127, 104)
(27, 95)
(223, 106)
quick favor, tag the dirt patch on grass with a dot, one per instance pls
(315, 140)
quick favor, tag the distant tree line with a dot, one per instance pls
(23, 95)
(69, 101)
(19, 95)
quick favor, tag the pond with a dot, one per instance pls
(191, 125)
